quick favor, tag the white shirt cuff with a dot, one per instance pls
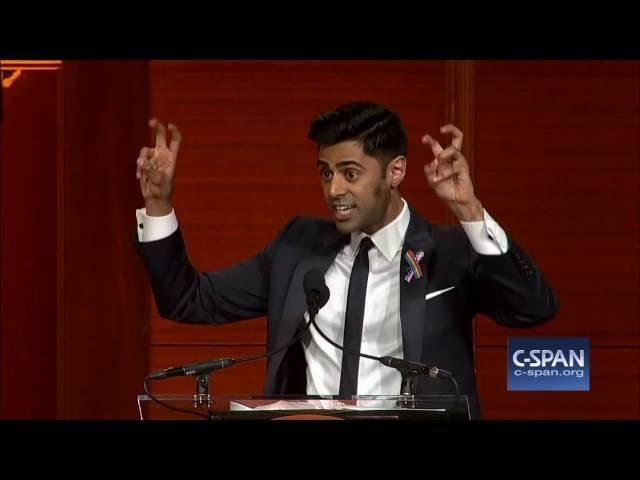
(486, 236)
(155, 228)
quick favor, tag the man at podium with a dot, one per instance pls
(399, 286)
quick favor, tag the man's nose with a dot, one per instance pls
(337, 188)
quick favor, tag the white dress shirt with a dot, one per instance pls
(382, 329)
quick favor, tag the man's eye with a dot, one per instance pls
(351, 174)
(325, 174)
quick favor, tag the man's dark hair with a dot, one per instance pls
(376, 128)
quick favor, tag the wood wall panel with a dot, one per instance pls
(557, 164)
(74, 303)
(28, 244)
(248, 332)
(105, 329)
(558, 153)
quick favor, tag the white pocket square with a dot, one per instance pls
(429, 296)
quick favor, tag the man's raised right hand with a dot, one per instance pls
(156, 169)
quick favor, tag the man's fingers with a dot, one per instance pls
(443, 172)
(436, 170)
(146, 152)
(143, 177)
(150, 182)
(176, 139)
(456, 142)
(146, 165)
(450, 154)
(161, 133)
(153, 161)
(142, 161)
(436, 148)
(430, 168)
(154, 175)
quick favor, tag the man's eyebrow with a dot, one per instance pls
(345, 163)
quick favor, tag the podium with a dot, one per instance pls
(217, 408)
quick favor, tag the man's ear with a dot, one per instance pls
(396, 170)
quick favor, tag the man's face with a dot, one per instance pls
(355, 187)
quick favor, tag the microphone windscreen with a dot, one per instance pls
(314, 283)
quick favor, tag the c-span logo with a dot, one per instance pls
(543, 363)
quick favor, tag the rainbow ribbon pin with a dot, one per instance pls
(414, 264)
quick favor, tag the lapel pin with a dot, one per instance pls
(414, 265)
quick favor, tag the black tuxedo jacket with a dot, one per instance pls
(509, 288)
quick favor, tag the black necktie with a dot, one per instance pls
(354, 319)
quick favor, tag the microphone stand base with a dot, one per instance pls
(202, 396)
(408, 389)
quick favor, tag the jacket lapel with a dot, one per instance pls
(412, 293)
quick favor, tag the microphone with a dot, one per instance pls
(406, 366)
(317, 295)
(316, 291)
(195, 369)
